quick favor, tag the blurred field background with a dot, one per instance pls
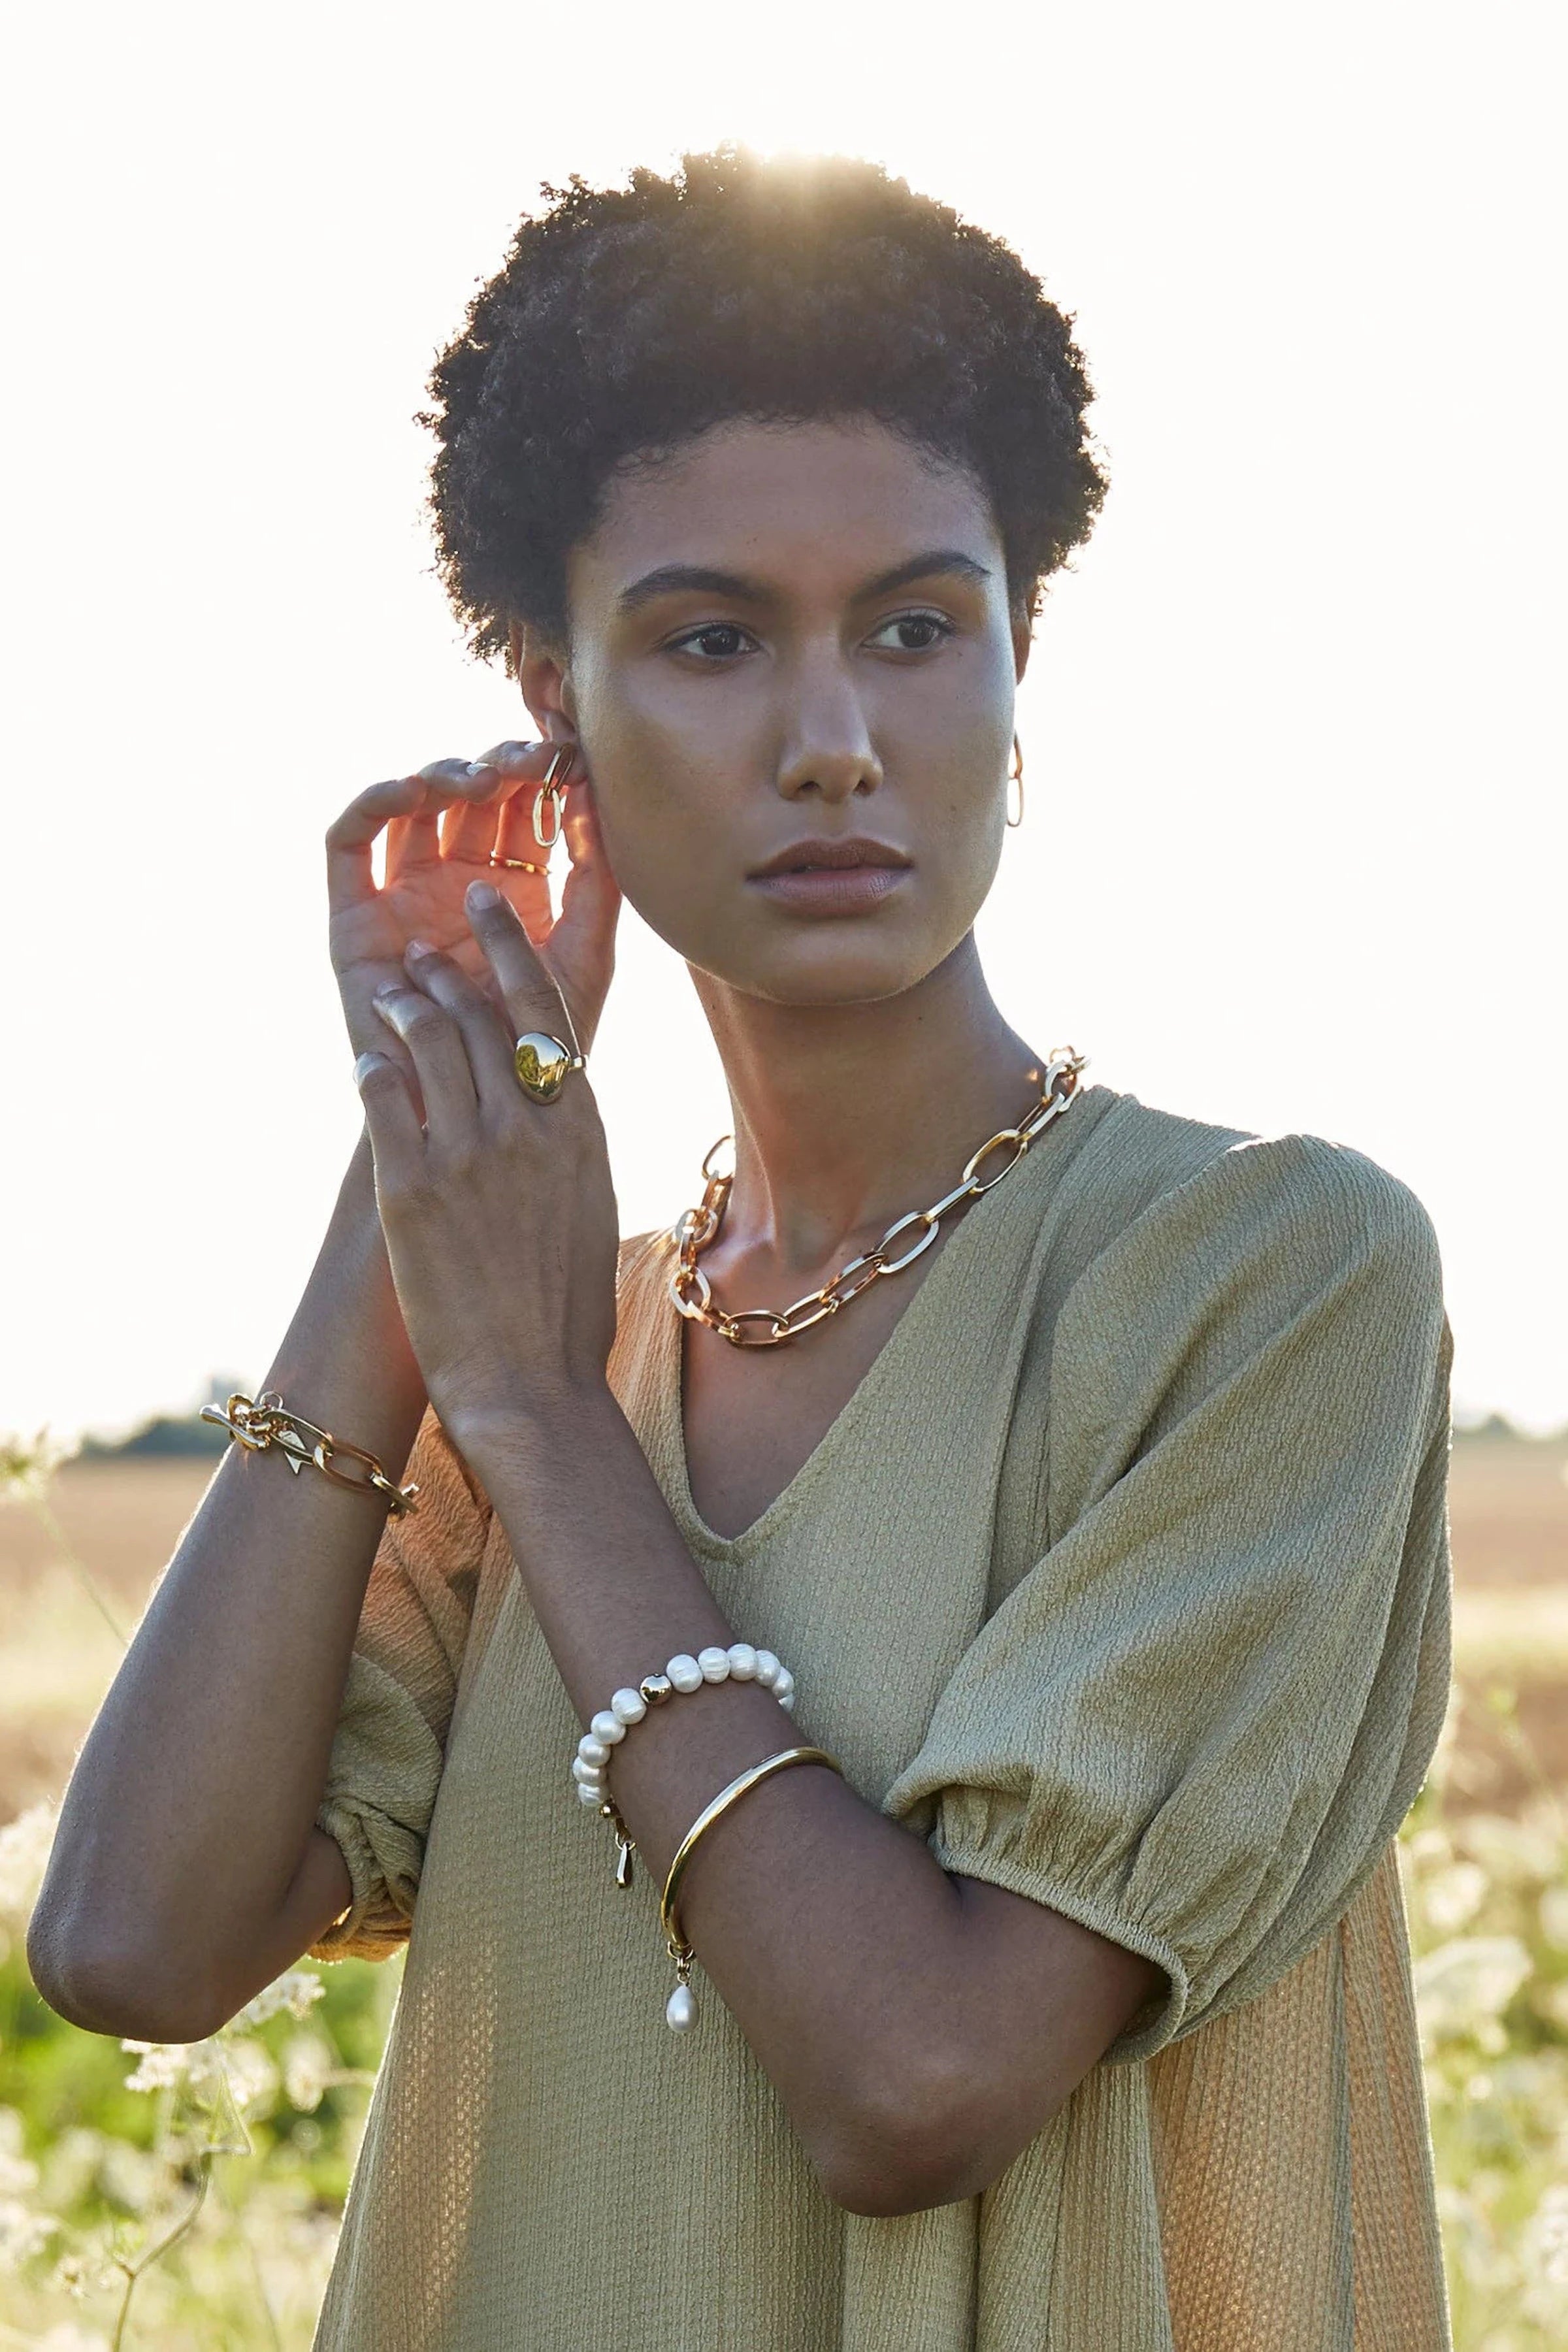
(189, 2198)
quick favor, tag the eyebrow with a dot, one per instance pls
(671, 579)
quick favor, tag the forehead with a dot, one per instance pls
(819, 506)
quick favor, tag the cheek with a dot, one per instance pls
(655, 738)
(666, 791)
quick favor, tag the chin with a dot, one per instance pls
(822, 971)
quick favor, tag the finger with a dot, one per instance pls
(409, 841)
(487, 1041)
(525, 878)
(470, 832)
(351, 838)
(440, 1059)
(519, 761)
(518, 769)
(390, 1114)
(414, 840)
(530, 994)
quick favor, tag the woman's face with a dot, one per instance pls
(783, 635)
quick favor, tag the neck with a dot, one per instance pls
(847, 1115)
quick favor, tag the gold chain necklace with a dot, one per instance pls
(694, 1229)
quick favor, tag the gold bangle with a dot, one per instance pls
(258, 1422)
(681, 2010)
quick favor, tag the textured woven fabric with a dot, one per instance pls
(1122, 1579)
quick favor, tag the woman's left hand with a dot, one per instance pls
(499, 1214)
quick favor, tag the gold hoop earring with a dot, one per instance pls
(556, 777)
(1016, 776)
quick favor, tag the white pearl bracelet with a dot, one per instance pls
(684, 1673)
(740, 1662)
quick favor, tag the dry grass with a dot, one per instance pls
(57, 1657)
(1509, 1506)
(1508, 1512)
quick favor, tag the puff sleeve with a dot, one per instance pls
(389, 1745)
(1198, 1717)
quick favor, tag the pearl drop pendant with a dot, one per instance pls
(681, 2010)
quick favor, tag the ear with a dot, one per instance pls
(1023, 641)
(542, 672)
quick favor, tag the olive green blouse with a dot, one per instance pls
(1122, 1579)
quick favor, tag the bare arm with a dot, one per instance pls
(881, 1995)
(186, 1871)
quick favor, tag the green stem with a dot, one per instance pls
(236, 2223)
(78, 1566)
(155, 2254)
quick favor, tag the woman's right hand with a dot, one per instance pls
(441, 826)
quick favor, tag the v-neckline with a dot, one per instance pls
(962, 1242)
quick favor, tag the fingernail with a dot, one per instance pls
(386, 988)
(483, 895)
(477, 767)
(366, 1062)
(418, 948)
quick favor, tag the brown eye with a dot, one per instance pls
(716, 640)
(912, 633)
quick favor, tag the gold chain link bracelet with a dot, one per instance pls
(259, 1423)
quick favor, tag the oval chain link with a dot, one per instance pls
(265, 1420)
(694, 1229)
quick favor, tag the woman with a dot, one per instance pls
(1082, 1520)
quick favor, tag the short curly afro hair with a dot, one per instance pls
(626, 322)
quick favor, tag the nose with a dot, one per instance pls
(827, 748)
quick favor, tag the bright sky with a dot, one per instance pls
(1294, 851)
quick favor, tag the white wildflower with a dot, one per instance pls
(1463, 1988)
(22, 2231)
(164, 2064)
(196, 2067)
(24, 1845)
(296, 1990)
(1551, 2226)
(1451, 1899)
(251, 2071)
(80, 2274)
(309, 2063)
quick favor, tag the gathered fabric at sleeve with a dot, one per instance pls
(389, 1745)
(1198, 1720)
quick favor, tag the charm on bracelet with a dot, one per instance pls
(628, 1706)
(258, 1423)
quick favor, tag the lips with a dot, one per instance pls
(829, 856)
